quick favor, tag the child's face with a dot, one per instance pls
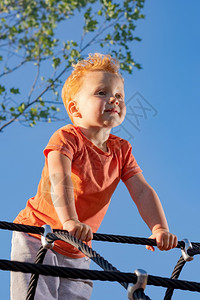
(100, 100)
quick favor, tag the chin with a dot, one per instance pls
(112, 124)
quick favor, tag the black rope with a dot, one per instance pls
(127, 239)
(21, 227)
(102, 262)
(96, 275)
(85, 249)
(65, 236)
(140, 295)
(34, 277)
(97, 236)
(175, 274)
(63, 272)
(177, 270)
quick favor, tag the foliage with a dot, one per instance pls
(32, 43)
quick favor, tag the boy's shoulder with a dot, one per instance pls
(117, 139)
(66, 130)
(65, 134)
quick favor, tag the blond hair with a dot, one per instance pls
(94, 62)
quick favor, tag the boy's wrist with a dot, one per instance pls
(75, 219)
(158, 227)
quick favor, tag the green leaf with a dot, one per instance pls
(74, 44)
(3, 106)
(53, 107)
(33, 111)
(56, 62)
(14, 115)
(14, 91)
(42, 103)
(32, 123)
(21, 108)
(44, 114)
(2, 89)
(138, 66)
(137, 39)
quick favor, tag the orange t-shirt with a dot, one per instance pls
(95, 175)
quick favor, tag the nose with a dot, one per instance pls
(114, 100)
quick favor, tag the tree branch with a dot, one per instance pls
(14, 69)
(34, 101)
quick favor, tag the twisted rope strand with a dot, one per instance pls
(96, 275)
(98, 236)
(175, 274)
(34, 277)
(154, 280)
(21, 227)
(85, 249)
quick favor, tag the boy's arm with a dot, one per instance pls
(151, 211)
(62, 194)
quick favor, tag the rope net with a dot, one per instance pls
(110, 273)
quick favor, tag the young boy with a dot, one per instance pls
(83, 165)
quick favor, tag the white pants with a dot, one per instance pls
(25, 248)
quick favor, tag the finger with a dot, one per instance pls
(89, 235)
(87, 239)
(163, 242)
(167, 241)
(72, 231)
(78, 232)
(167, 244)
(84, 233)
(172, 242)
(175, 243)
(151, 248)
(159, 242)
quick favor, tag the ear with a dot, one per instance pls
(73, 108)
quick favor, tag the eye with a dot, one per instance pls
(119, 97)
(101, 93)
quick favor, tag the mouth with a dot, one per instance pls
(113, 110)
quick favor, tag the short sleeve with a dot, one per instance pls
(130, 166)
(63, 141)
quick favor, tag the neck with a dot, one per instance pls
(97, 136)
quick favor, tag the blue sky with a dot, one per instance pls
(165, 143)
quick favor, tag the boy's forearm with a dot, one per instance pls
(151, 210)
(62, 194)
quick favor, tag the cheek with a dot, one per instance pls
(123, 111)
(123, 108)
(100, 105)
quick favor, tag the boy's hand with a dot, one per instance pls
(80, 230)
(164, 239)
